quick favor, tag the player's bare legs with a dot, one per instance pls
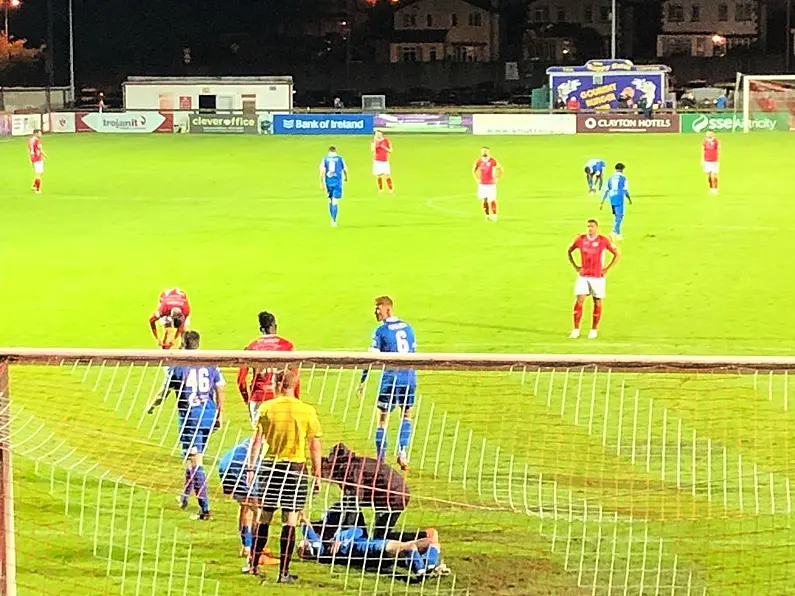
(578, 308)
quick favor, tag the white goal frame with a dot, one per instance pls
(742, 89)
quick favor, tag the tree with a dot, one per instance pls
(14, 53)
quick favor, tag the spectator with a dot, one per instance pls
(286, 426)
(722, 102)
(365, 482)
(573, 105)
(645, 107)
(338, 105)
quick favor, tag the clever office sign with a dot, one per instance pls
(223, 124)
(323, 124)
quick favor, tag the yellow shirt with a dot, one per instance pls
(287, 425)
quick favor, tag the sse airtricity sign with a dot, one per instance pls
(717, 122)
(323, 124)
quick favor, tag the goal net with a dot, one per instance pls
(542, 474)
(765, 103)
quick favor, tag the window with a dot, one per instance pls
(409, 20)
(588, 14)
(743, 11)
(604, 14)
(408, 54)
(475, 19)
(723, 12)
(676, 13)
(454, 20)
(432, 55)
(695, 13)
(701, 47)
(429, 20)
(541, 14)
(561, 15)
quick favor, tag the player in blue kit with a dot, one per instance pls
(333, 173)
(398, 386)
(617, 191)
(422, 556)
(233, 482)
(594, 174)
(200, 400)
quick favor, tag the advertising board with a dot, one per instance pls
(24, 124)
(524, 124)
(717, 122)
(124, 122)
(424, 123)
(223, 124)
(323, 124)
(62, 122)
(627, 123)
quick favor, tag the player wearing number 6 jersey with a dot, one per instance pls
(398, 386)
(262, 386)
(200, 399)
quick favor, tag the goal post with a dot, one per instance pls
(614, 474)
(765, 102)
(8, 586)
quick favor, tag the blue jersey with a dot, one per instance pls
(394, 335)
(333, 167)
(195, 387)
(353, 543)
(617, 189)
(596, 166)
(230, 470)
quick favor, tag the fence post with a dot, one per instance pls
(8, 584)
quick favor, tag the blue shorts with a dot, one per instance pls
(334, 192)
(193, 440)
(370, 549)
(392, 394)
(617, 209)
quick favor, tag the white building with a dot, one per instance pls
(710, 27)
(454, 30)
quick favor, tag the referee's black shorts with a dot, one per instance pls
(282, 485)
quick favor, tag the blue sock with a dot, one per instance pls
(590, 182)
(380, 442)
(246, 538)
(188, 484)
(432, 556)
(415, 561)
(405, 434)
(200, 487)
(617, 225)
(333, 210)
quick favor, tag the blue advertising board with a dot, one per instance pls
(323, 124)
(599, 84)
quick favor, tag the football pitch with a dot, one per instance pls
(564, 482)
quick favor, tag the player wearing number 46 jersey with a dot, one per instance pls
(262, 387)
(398, 386)
(591, 274)
(200, 400)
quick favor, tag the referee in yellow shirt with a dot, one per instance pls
(287, 426)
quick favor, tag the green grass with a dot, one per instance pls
(540, 483)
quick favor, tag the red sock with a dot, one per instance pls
(577, 314)
(389, 183)
(715, 181)
(380, 183)
(494, 207)
(37, 184)
(597, 315)
(486, 206)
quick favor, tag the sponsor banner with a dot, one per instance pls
(25, 124)
(223, 124)
(524, 124)
(133, 122)
(627, 123)
(768, 122)
(323, 124)
(426, 123)
(62, 122)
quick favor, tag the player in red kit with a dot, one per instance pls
(37, 157)
(381, 148)
(173, 312)
(487, 173)
(591, 274)
(263, 384)
(711, 146)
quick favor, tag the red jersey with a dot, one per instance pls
(711, 150)
(262, 386)
(486, 167)
(381, 150)
(170, 299)
(592, 251)
(34, 149)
